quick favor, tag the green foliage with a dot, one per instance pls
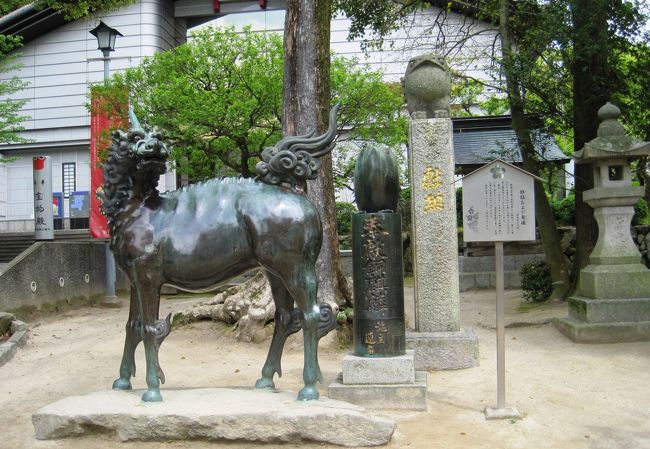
(218, 98)
(344, 211)
(466, 94)
(404, 207)
(536, 281)
(75, 9)
(72, 9)
(564, 210)
(641, 213)
(10, 118)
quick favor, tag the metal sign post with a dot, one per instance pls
(498, 206)
(501, 411)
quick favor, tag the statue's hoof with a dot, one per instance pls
(264, 383)
(122, 384)
(152, 396)
(308, 394)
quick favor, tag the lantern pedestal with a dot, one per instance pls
(612, 301)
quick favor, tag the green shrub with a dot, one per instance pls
(344, 211)
(641, 213)
(564, 210)
(536, 280)
(459, 207)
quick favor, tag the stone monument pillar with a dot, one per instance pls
(380, 373)
(612, 301)
(439, 341)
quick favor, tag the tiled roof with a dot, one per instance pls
(477, 140)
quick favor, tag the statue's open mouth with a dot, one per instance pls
(152, 164)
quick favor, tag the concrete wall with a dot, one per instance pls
(51, 274)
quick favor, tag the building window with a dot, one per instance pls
(69, 178)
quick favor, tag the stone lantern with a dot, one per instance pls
(612, 301)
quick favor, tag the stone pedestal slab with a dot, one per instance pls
(614, 332)
(609, 310)
(406, 396)
(444, 350)
(379, 370)
(213, 414)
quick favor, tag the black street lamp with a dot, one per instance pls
(105, 42)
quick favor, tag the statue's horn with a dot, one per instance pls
(135, 123)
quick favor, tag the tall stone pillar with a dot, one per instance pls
(439, 341)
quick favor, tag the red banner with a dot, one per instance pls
(100, 125)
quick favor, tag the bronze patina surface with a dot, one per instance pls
(207, 233)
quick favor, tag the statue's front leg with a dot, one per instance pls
(127, 367)
(132, 339)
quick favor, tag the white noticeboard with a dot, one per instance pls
(498, 204)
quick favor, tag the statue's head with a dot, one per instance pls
(429, 58)
(135, 161)
(143, 147)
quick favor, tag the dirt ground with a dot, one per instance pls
(571, 396)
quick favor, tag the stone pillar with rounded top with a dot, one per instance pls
(612, 300)
(439, 340)
(380, 373)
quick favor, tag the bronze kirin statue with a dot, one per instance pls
(207, 233)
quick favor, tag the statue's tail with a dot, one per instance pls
(295, 159)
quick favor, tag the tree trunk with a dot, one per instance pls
(592, 80)
(543, 212)
(306, 101)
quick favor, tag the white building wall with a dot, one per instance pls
(468, 44)
(60, 66)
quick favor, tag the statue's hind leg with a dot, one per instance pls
(303, 286)
(132, 339)
(283, 328)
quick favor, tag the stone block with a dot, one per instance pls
(379, 370)
(212, 414)
(614, 281)
(508, 263)
(521, 259)
(18, 338)
(411, 396)
(512, 279)
(609, 310)
(487, 263)
(482, 280)
(468, 264)
(623, 332)
(444, 350)
(466, 281)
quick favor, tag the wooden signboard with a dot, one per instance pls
(498, 204)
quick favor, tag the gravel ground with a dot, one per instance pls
(571, 396)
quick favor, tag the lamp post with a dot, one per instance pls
(106, 43)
